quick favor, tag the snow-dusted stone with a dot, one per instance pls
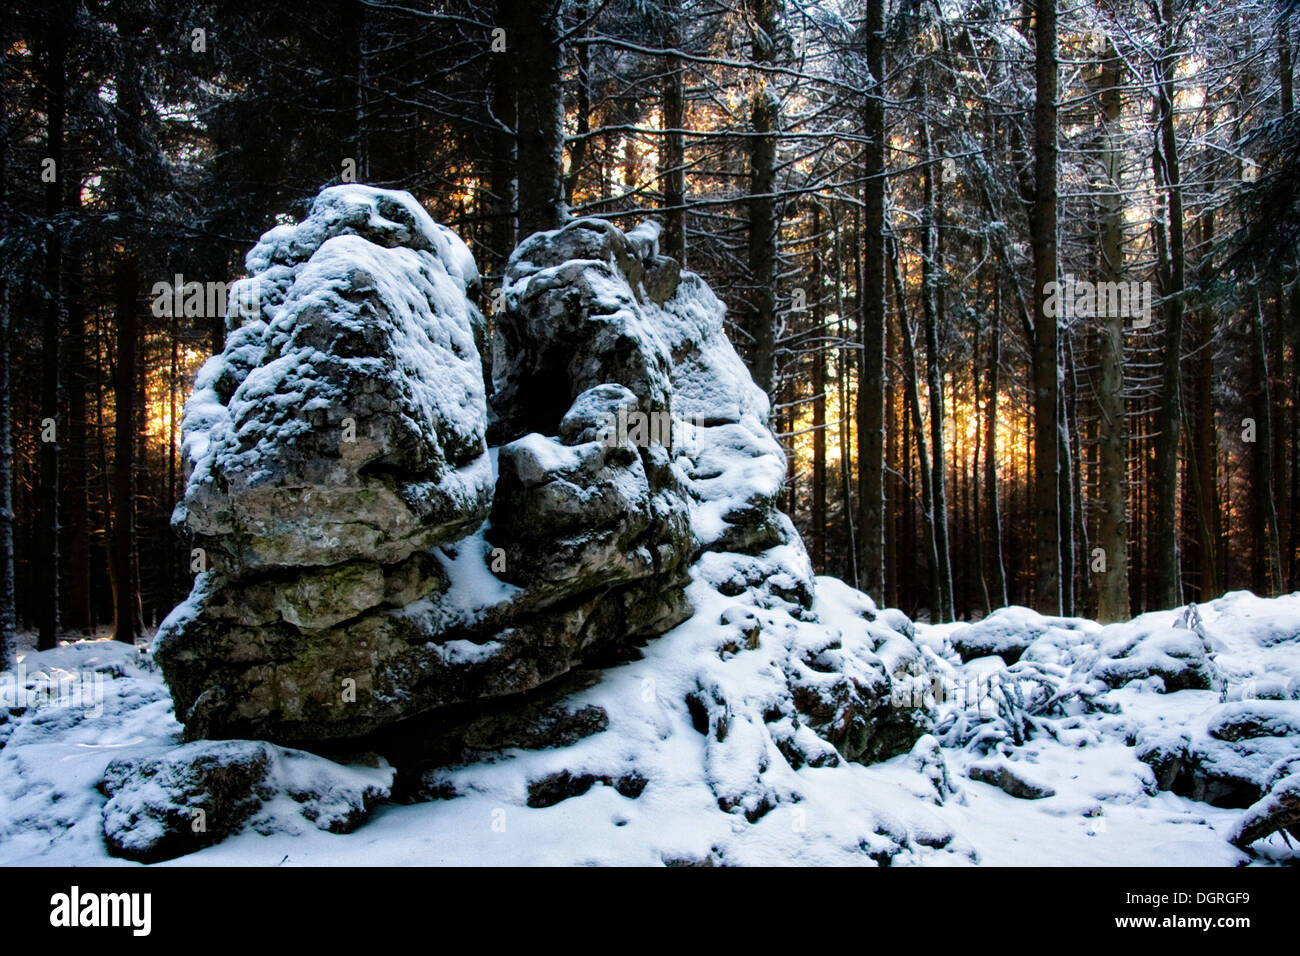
(1138, 650)
(200, 793)
(599, 329)
(577, 317)
(846, 697)
(1277, 810)
(1230, 756)
(734, 465)
(1008, 632)
(587, 498)
(572, 519)
(597, 319)
(358, 431)
(1256, 718)
(1009, 778)
(1266, 687)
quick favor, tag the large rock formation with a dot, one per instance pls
(376, 571)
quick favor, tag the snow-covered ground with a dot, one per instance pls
(1081, 744)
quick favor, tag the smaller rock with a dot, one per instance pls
(1009, 779)
(800, 746)
(1278, 810)
(1256, 718)
(594, 411)
(560, 786)
(1007, 632)
(162, 807)
(532, 728)
(1167, 757)
(1174, 654)
(1231, 762)
(1265, 687)
(746, 621)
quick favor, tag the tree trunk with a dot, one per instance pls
(76, 477)
(977, 503)
(173, 436)
(763, 119)
(934, 378)
(55, 74)
(1042, 223)
(1112, 534)
(871, 384)
(846, 418)
(1167, 576)
(1283, 334)
(501, 171)
(922, 453)
(1293, 538)
(893, 470)
(1205, 452)
(578, 148)
(996, 562)
(1267, 539)
(535, 32)
(355, 94)
(8, 616)
(673, 157)
(1065, 504)
(1076, 542)
(819, 405)
(125, 598)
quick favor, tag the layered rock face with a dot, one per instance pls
(336, 440)
(345, 419)
(581, 508)
(389, 548)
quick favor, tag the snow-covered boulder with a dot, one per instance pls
(1278, 810)
(577, 316)
(338, 437)
(1008, 632)
(598, 321)
(345, 418)
(1229, 756)
(198, 794)
(587, 498)
(1012, 779)
(1141, 649)
(1256, 718)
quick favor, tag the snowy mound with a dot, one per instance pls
(645, 765)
